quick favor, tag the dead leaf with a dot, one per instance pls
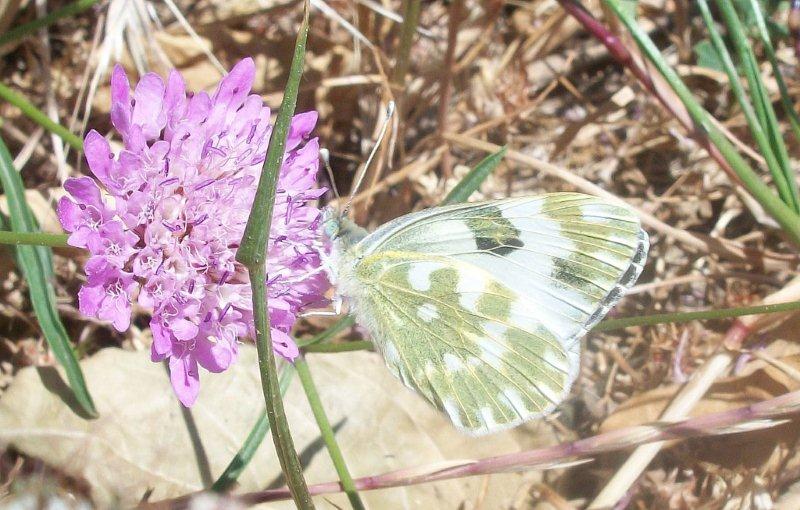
(142, 441)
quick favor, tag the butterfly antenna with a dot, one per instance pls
(363, 172)
(325, 155)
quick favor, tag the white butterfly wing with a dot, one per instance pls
(479, 307)
(572, 254)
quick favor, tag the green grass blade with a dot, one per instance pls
(411, 9)
(785, 216)
(257, 434)
(786, 100)
(340, 325)
(473, 180)
(359, 345)
(327, 433)
(39, 117)
(31, 27)
(781, 175)
(675, 317)
(37, 267)
(753, 122)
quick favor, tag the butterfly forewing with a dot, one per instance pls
(571, 254)
(480, 307)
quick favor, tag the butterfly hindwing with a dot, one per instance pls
(480, 307)
(462, 340)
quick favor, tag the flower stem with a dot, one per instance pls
(29, 28)
(282, 437)
(758, 416)
(327, 433)
(253, 254)
(33, 238)
(39, 117)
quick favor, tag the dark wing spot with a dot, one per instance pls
(497, 245)
(494, 233)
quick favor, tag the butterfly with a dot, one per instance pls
(481, 307)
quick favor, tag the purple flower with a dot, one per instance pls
(177, 199)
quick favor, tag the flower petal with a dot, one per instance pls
(184, 329)
(185, 378)
(147, 112)
(284, 345)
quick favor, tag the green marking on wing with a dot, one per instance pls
(464, 341)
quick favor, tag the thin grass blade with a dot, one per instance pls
(783, 214)
(782, 175)
(36, 265)
(39, 117)
(257, 434)
(473, 180)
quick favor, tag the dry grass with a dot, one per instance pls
(517, 73)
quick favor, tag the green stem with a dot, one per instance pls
(29, 28)
(257, 434)
(40, 117)
(281, 435)
(327, 433)
(613, 324)
(340, 325)
(725, 313)
(340, 347)
(786, 217)
(410, 21)
(252, 253)
(34, 238)
(786, 99)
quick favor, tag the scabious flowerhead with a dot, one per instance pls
(176, 201)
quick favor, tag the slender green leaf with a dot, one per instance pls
(756, 128)
(31, 27)
(782, 173)
(327, 433)
(785, 216)
(37, 267)
(358, 345)
(411, 9)
(473, 180)
(340, 325)
(40, 117)
(257, 434)
(786, 99)
(33, 238)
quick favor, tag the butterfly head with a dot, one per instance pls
(339, 229)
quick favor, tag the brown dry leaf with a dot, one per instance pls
(141, 440)
(757, 381)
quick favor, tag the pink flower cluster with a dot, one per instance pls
(177, 199)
